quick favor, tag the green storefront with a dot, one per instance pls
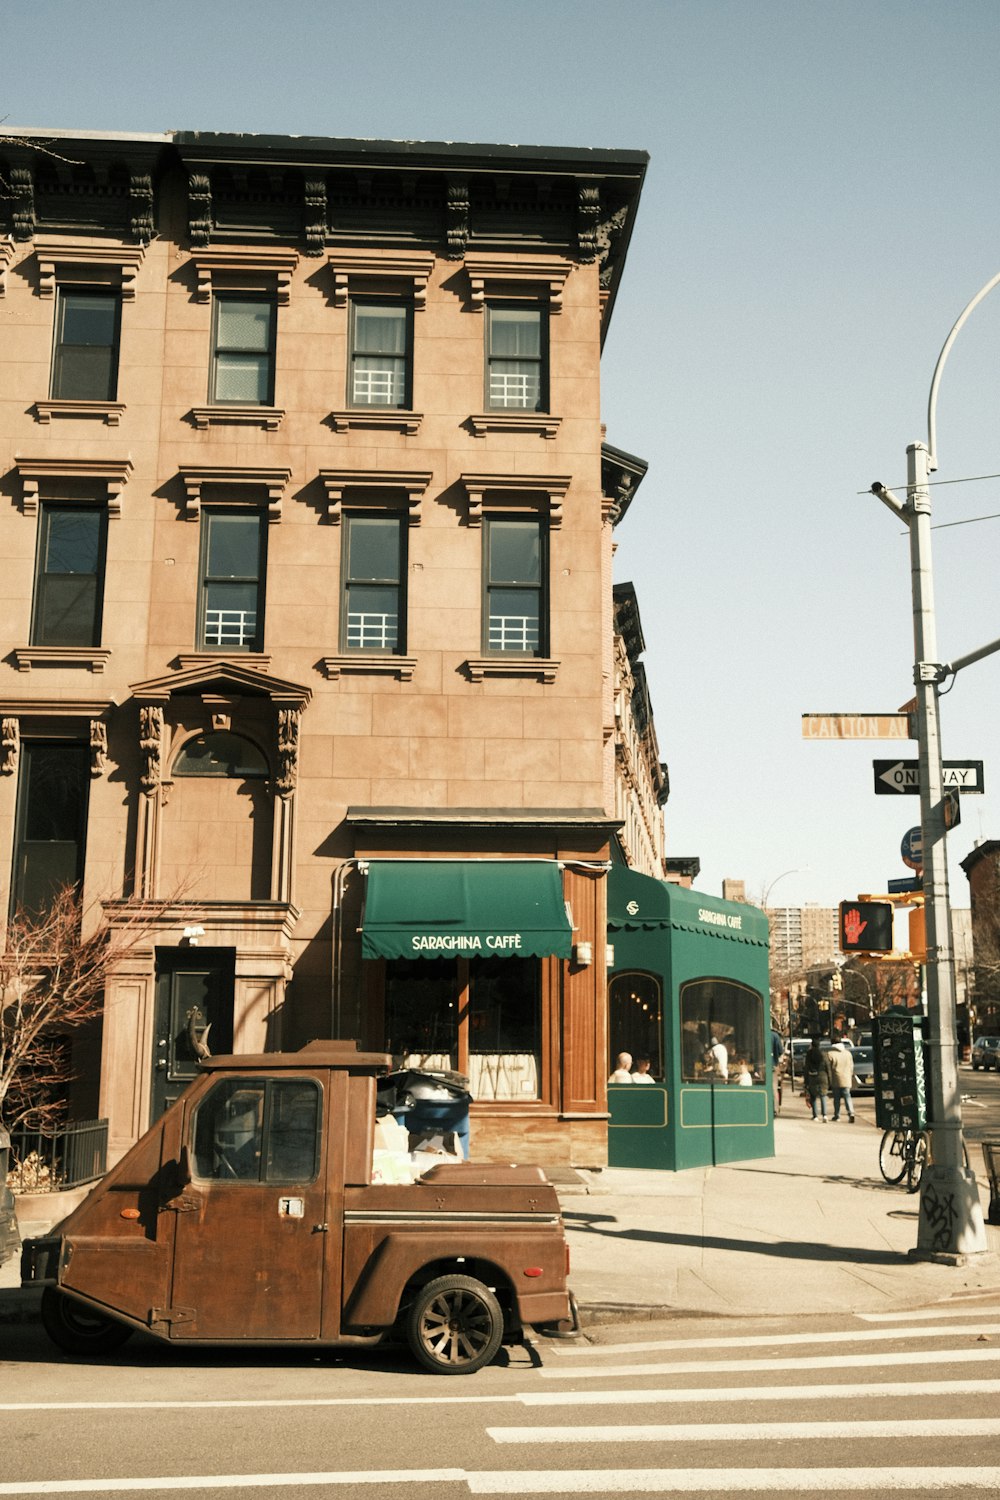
(688, 989)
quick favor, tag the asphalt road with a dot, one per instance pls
(980, 1103)
(892, 1403)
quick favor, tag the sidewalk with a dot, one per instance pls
(814, 1229)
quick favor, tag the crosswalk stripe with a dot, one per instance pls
(549, 1481)
(229, 1482)
(769, 1340)
(739, 1432)
(752, 1366)
(685, 1395)
(677, 1481)
(972, 1311)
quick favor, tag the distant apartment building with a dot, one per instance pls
(803, 936)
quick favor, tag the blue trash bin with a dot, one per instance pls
(424, 1102)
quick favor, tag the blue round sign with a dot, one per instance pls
(911, 849)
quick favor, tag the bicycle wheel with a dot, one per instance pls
(891, 1158)
(916, 1159)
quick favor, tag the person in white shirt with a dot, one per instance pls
(720, 1059)
(642, 1073)
(623, 1069)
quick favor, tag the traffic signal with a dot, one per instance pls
(866, 927)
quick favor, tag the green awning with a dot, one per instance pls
(465, 909)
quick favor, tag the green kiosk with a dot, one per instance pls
(688, 989)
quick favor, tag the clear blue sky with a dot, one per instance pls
(821, 204)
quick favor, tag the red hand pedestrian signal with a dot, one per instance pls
(853, 926)
(866, 927)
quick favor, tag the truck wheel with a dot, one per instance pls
(454, 1325)
(76, 1329)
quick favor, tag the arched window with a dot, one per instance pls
(220, 754)
(635, 1018)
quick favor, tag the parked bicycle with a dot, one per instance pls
(903, 1155)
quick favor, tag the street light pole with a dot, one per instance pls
(951, 1217)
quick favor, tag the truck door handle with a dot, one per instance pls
(321, 1229)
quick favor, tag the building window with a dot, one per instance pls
(381, 345)
(481, 1016)
(514, 578)
(231, 606)
(373, 599)
(85, 356)
(220, 753)
(635, 1018)
(69, 576)
(51, 823)
(516, 357)
(722, 1032)
(243, 350)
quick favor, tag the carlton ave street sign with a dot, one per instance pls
(856, 727)
(902, 777)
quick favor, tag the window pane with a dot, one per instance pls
(243, 325)
(230, 614)
(421, 1011)
(514, 385)
(504, 1029)
(379, 330)
(372, 618)
(514, 620)
(722, 1026)
(373, 548)
(72, 540)
(378, 382)
(228, 1132)
(292, 1131)
(515, 552)
(243, 377)
(233, 549)
(52, 811)
(515, 332)
(66, 611)
(634, 1019)
(84, 374)
(220, 754)
(88, 319)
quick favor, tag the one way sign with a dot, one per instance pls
(899, 777)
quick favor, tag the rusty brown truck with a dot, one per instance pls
(248, 1213)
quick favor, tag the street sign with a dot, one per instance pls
(911, 849)
(903, 887)
(895, 777)
(856, 727)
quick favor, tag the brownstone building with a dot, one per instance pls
(307, 605)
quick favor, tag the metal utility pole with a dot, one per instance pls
(951, 1217)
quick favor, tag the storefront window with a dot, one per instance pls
(478, 1016)
(722, 1032)
(503, 1028)
(635, 1020)
(421, 1012)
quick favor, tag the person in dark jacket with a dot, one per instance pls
(816, 1073)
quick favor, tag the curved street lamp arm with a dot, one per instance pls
(939, 369)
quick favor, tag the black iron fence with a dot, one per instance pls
(65, 1157)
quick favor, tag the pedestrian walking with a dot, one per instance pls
(816, 1073)
(840, 1061)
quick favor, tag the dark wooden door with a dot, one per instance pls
(194, 1010)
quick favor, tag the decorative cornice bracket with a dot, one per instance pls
(377, 485)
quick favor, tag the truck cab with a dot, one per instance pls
(248, 1214)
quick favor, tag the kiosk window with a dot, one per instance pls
(722, 1032)
(250, 1130)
